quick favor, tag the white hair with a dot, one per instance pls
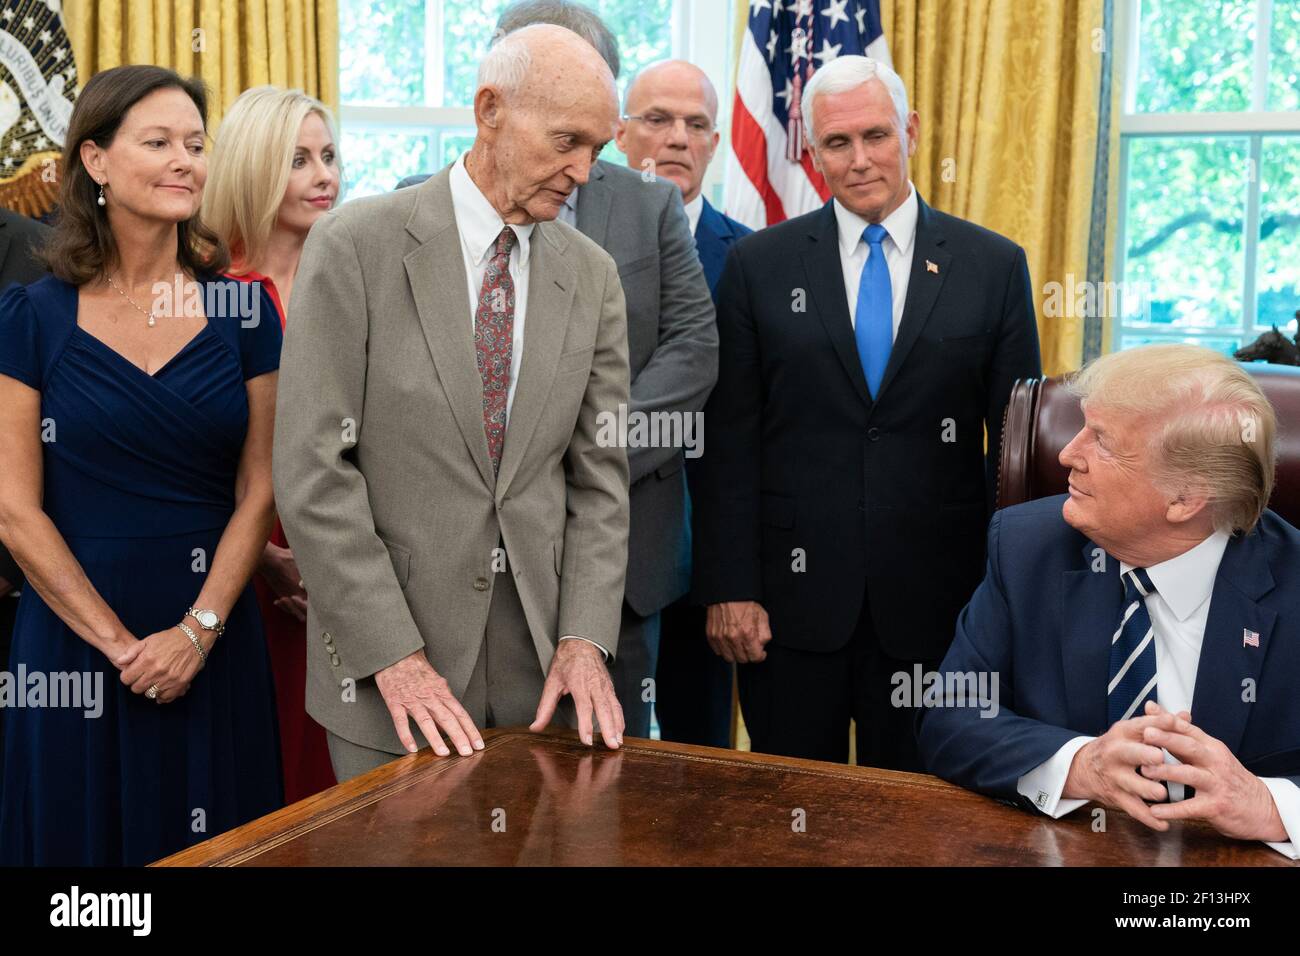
(846, 73)
(506, 64)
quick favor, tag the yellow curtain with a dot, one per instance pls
(1008, 95)
(231, 44)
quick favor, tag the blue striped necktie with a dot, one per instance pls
(873, 323)
(1132, 653)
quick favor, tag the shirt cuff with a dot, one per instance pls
(1286, 795)
(1043, 785)
(574, 637)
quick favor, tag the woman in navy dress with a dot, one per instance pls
(135, 492)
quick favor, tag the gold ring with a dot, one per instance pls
(152, 692)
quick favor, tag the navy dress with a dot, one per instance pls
(139, 478)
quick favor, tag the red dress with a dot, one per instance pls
(305, 755)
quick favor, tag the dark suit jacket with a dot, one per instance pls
(18, 236)
(673, 353)
(808, 487)
(714, 235)
(1042, 621)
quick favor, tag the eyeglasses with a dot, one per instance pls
(696, 127)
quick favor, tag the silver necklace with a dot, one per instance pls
(152, 320)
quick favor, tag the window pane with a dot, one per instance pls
(1279, 233)
(1226, 346)
(1183, 232)
(643, 29)
(453, 142)
(1284, 57)
(1194, 57)
(466, 29)
(375, 159)
(381, 53)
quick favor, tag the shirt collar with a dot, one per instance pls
(478, 220)
(693, 210)
(900, 224)
(1186, 581)
(571, 201)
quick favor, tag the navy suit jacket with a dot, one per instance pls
(714, 235)
(810, 490)
(1042, 621)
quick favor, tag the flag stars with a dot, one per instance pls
(59, 53)
(771, 47)
(828, 52)
(45, 36)
(861, 15)
(29, 23)
(7, 15)
(756, 5)
(787, 93)
(836, 12)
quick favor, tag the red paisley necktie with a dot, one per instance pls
(494, 332)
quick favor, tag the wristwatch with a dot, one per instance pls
(208, 620)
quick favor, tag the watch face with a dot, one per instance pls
(208, 619)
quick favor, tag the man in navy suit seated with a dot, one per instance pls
(1140, 633)
(669, 129)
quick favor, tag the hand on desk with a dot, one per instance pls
(737, 631)
(413, 690)
(578, 668)
(1228, 797)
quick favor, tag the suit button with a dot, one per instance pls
(334, 659)
(480, 584)
(873, 433)
(327, 638)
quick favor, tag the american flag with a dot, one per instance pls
(1249, 638)
(770, 175)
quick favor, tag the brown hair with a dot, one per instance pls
(82, 247)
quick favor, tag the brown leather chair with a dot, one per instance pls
(1042, 417)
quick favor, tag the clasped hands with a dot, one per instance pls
(413, 690)
(1228, 797)
(167, 660)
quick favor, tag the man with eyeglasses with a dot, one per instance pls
(669, 130)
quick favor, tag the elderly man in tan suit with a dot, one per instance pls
(459, 524)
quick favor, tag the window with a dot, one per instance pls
(407, 70)
(1209, 239)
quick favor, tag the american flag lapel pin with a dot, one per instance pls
(1249, 638)
(931, 267)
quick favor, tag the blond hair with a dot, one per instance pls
(252, 159)
(1214, 433)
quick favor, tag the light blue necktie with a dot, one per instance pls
(874, 325)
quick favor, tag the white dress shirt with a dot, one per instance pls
(1179, 609)
(693, 210)
(898, 247)
(479, 224)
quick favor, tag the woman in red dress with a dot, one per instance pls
(273, 172)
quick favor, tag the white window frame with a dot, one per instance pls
(701, 33)
(1254, 123)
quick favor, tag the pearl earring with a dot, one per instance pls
(101, 200)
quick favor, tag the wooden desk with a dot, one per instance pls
(545, 799)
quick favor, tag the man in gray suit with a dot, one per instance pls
(460, 524)
(672, 345)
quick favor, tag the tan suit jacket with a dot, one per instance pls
(382, 475)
